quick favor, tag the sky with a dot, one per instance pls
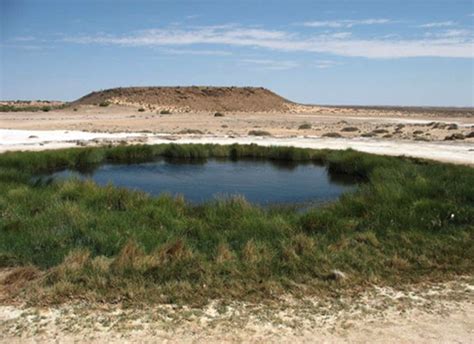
(370, 52)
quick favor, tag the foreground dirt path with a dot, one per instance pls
(429, 313)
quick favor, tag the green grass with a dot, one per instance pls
(408, 221)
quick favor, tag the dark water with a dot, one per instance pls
(260, 182)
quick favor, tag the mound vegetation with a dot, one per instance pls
(408, 221)
(196, 98)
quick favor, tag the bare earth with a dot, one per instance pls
(411, 126)
(438, 135)
(428, 313)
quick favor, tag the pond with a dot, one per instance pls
(259, 181)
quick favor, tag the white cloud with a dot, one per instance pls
(197, 52)
(461, 34)
(348, 23)
(342, 45)
(323, 64)
(271, 64)
(438, 24)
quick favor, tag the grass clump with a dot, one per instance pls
(165, 112)
(409, 221)
(104, 104)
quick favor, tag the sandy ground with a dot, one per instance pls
(429, 313)
(426, 135)
(397, 125)
(446, 151)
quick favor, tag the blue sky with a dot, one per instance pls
(405, 52)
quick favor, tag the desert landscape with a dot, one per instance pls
(432, 310)
(239, 115)
(237, 171)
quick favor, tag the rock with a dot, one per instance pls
(82, 143)
(336, 275)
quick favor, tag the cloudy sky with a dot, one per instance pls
(405, 52)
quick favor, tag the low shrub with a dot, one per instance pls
(259, 133)
(304, 126)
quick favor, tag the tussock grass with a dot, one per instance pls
(409, 220)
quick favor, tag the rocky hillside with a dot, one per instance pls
(191, 98)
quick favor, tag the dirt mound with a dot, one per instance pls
(191, 98)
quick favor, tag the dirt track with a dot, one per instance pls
(429, 313)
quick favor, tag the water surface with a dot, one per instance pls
(259, 181)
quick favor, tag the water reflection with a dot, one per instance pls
(265, 182)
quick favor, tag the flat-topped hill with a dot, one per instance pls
(191, 98)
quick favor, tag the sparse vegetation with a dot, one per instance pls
(380, 131)
(165, 112)
(218, 114)
(453, 126)
(104, 104)
(350, 129)
(334, 135)
(455, 136)
(409, 221)
(141, 109)
(191, 131)
(259, 133)
(304, 126)
(24, 106)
